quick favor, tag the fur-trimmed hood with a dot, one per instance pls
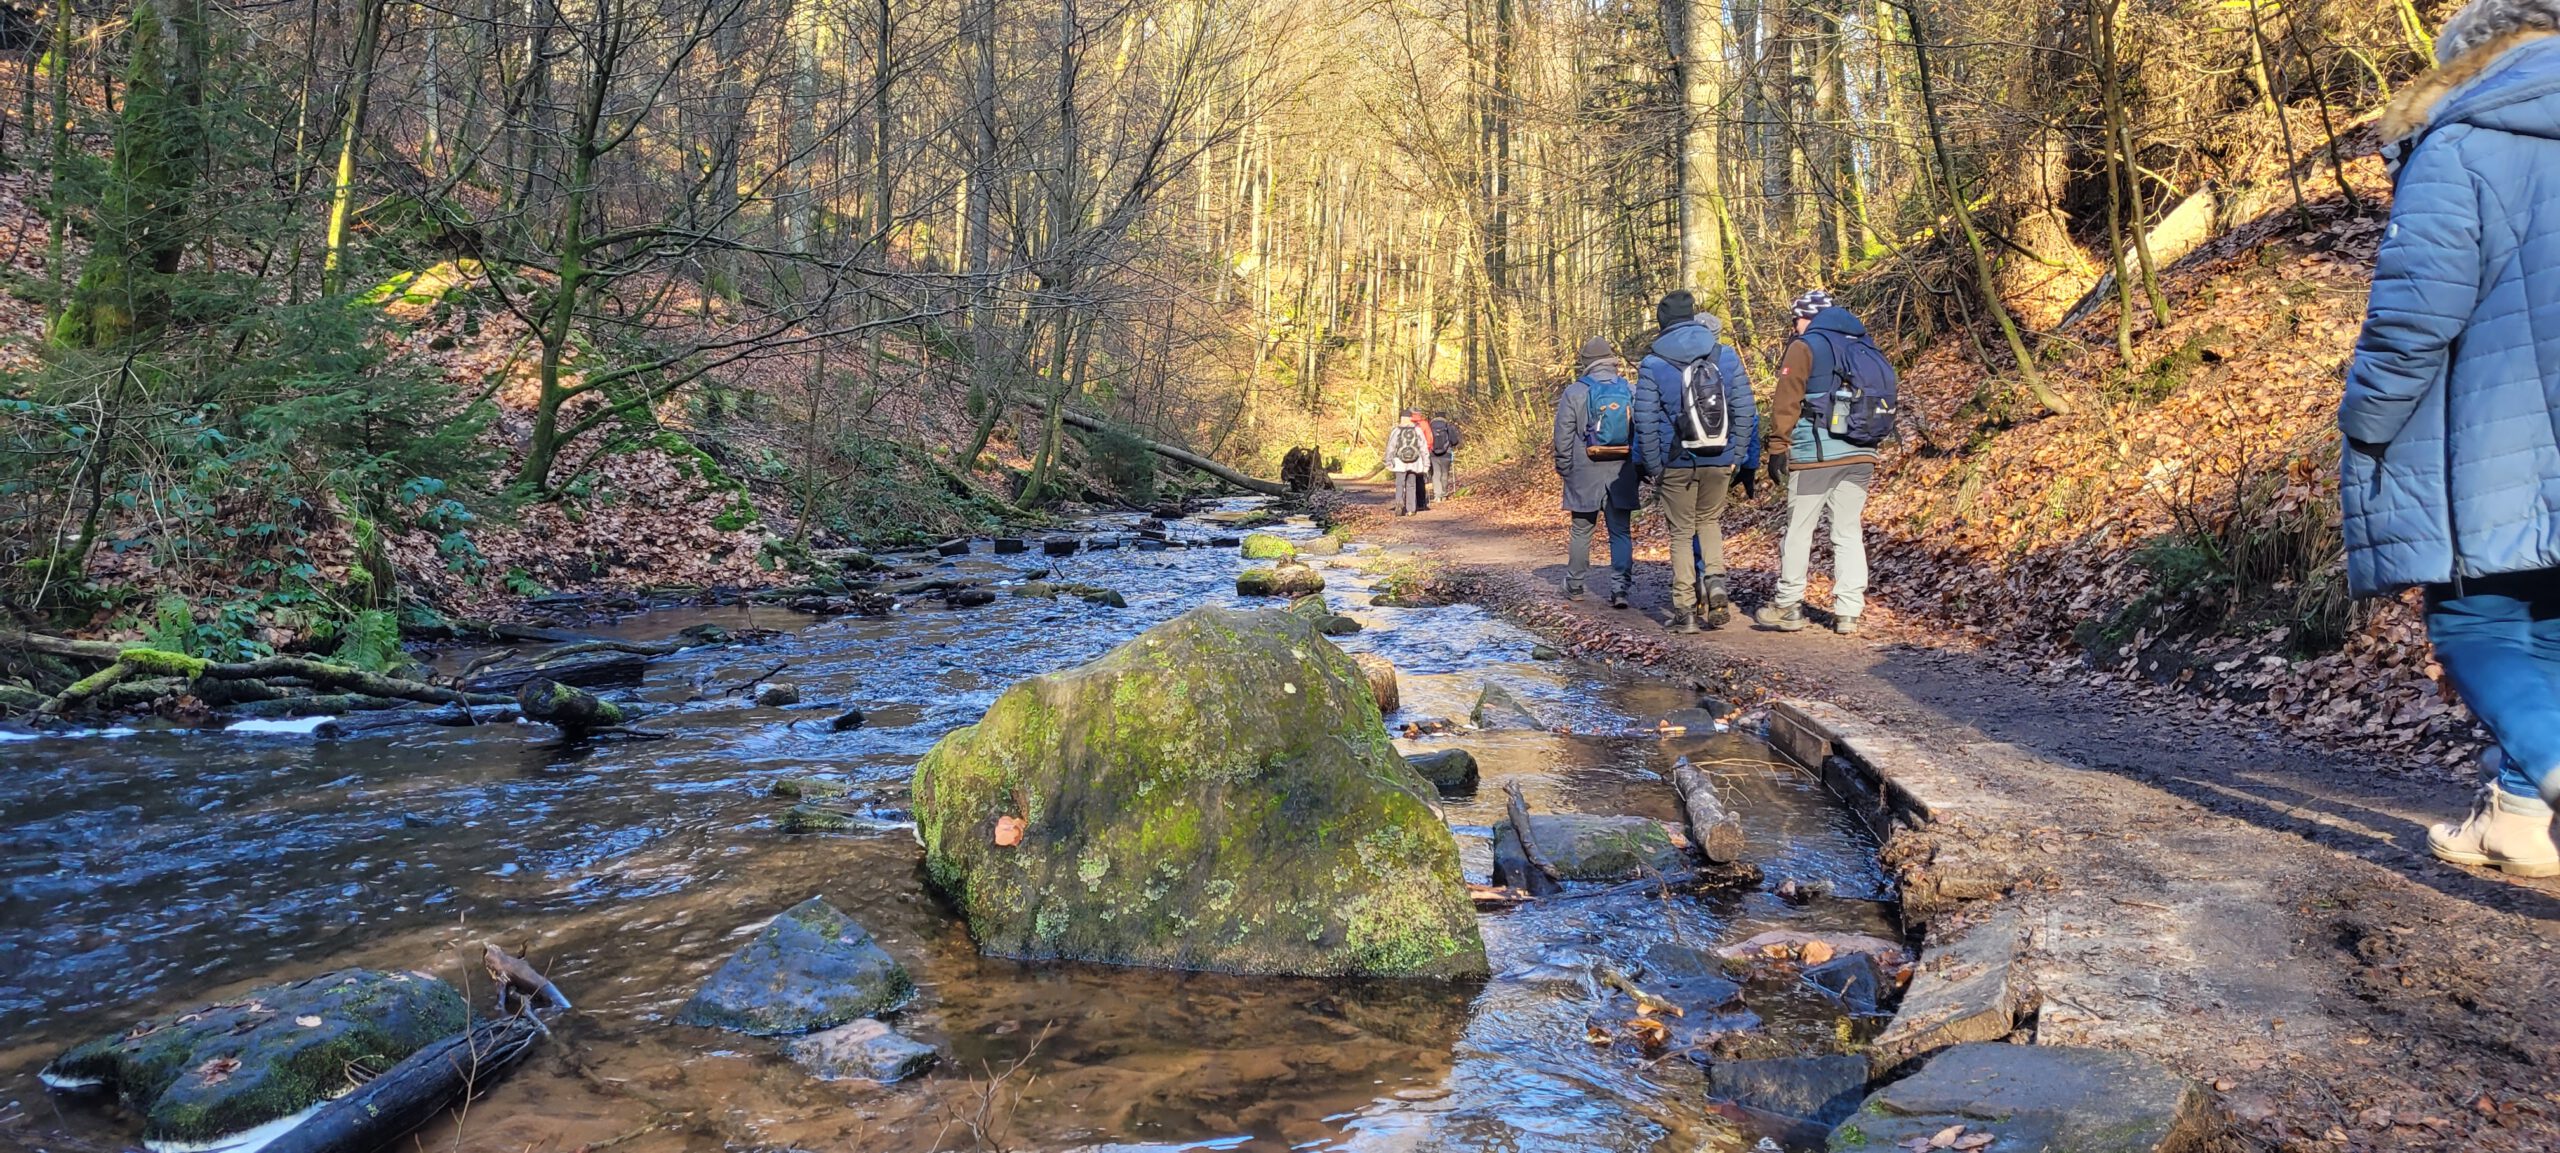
(2433, 97)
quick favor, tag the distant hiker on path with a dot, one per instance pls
(1695, 423)
(1603, 480)
(1409, 463)
(2451, 469)
(1444, 450)
(1835, 404)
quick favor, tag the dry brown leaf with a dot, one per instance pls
(218, 1070)
(1817, 952)
(1008, 831)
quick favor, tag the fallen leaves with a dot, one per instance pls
(218, 1070)
(1008, 831)
(1957, 1137)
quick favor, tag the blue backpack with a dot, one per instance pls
(1865, 391)
(1612, 408)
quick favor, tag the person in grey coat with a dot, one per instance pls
(1603, 482)
(2450, 474)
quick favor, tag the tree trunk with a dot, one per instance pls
(350, 135)
(146, 214)
(1700, 57)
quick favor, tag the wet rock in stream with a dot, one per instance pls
(2033, 1097)
(1267, 546)
(1160, 802)
(1496, 708)
(776, 694)
(810, 788)
(1452, 771)
(1824, 1090)
(1281, 580)
(865, 1049)
(811, 968)
(268, 1054)
(1587, 847)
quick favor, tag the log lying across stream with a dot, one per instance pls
(1712, 827)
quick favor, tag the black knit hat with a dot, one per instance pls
(1676, 306)
(1597, 349)
(1812, 303)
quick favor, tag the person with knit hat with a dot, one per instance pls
(1596, 459)
(2450, 477)
(1695, 426)
(1821, 472)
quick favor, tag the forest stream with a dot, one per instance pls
(147, 871)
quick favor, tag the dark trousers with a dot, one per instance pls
(1622, 548)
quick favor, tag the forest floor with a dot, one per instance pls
(2256, 911)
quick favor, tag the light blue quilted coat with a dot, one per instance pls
(2452, 408)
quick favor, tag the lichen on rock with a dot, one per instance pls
(1217, 794)
(272, 1052)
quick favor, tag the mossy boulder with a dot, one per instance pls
(1217, 794)
(811, 968)
(1586, 847)
(1265, 546)
(269, 1054)
(1286, 579)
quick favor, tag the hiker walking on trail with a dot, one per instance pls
(1444, 449)
(1409, 463)
(1695, 424)
(2450, 476)
(1835, 402)
(1603, 480)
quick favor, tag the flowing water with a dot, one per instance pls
(151, 870)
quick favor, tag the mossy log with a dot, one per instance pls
(127, 661)
(574, 711)
(589, 670)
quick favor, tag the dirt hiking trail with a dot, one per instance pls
(2258, 913)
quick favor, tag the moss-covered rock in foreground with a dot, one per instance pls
(1217, 794)
(272, 1052)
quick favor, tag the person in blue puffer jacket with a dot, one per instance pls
(2450, 472)
(1694, 482)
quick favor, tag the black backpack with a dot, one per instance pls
(1865, 391)
(1705, 422)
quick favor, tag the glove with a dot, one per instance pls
(1778, 470)
(1748, 481)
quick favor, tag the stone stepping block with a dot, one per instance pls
(865, 1050)
(2033, 1099)
(1963, 990)
(1824, 1090)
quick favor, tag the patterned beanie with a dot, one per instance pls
(1811, 304)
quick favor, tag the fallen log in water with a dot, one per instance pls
(574, 711)
(415, 1091)
(503, 712)
(590, 670)
(1711, 826)
(151, 662)
(1542, 875)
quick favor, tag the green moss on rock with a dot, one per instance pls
(269, 1053)
(1265, 546)
(1217, 794)
(1281, 580)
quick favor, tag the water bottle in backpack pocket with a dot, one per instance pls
(1610, 433)
(1859, 406)
(1705, 422)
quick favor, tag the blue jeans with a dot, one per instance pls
(2499, 642)
(1622, 548)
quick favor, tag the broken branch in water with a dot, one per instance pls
(514, 975)
(126, 660)
(1542, 875)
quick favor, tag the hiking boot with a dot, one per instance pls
(1784, 618)
(1572, 592)
(2505, 832)
(1845, 626)
(1719, 612)
(1617, 598)
(1683, 621)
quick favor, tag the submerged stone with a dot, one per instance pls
(1218, 794)
(811, 788)
(1496, 708)
(812, 967)
(262, 1057)
(2033, 1097)
(1452, 771)
(1854, 978)
(865, 1049)
(1587, 847)
(1824, 1090)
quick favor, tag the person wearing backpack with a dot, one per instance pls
(2450, 475)
(1409, 463)
(1595, 457)
(1835, 404)
(1444, 448)
(1695, 425)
